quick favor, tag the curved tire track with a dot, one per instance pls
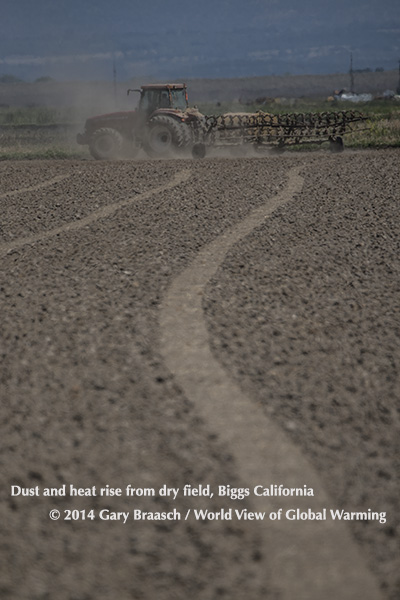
(310, 560)
(103, 212)
(33, 188)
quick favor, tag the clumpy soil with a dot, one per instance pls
(304, 313)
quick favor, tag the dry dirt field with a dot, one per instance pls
(220, 322)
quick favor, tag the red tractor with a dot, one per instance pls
(162, 125)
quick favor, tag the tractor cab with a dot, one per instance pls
(168, 96)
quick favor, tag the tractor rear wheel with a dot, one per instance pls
(106, 144)
(166, 136)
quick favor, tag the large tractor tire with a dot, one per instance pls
(166, 136)
(106, 144)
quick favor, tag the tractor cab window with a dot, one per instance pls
(164, 99)
(179, 99)
(150, 100)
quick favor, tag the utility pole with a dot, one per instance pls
(398, 85)
(115, 81)
(351, 72)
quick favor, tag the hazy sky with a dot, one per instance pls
(77, 36)
(40, 16)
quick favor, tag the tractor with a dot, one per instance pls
(162, 125)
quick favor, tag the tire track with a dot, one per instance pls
(308, 560)
(103, 212)
(33, 188)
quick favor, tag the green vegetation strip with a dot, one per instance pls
(382, 130)
(37, 116)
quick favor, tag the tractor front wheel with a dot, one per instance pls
(106, 144)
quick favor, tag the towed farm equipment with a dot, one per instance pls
(164, 124)
(263, 129)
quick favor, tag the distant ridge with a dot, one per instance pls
(100, 95)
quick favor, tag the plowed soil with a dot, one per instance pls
(303, 313)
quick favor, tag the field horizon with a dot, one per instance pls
(104, 95)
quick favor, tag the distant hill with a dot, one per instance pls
(92, 97)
